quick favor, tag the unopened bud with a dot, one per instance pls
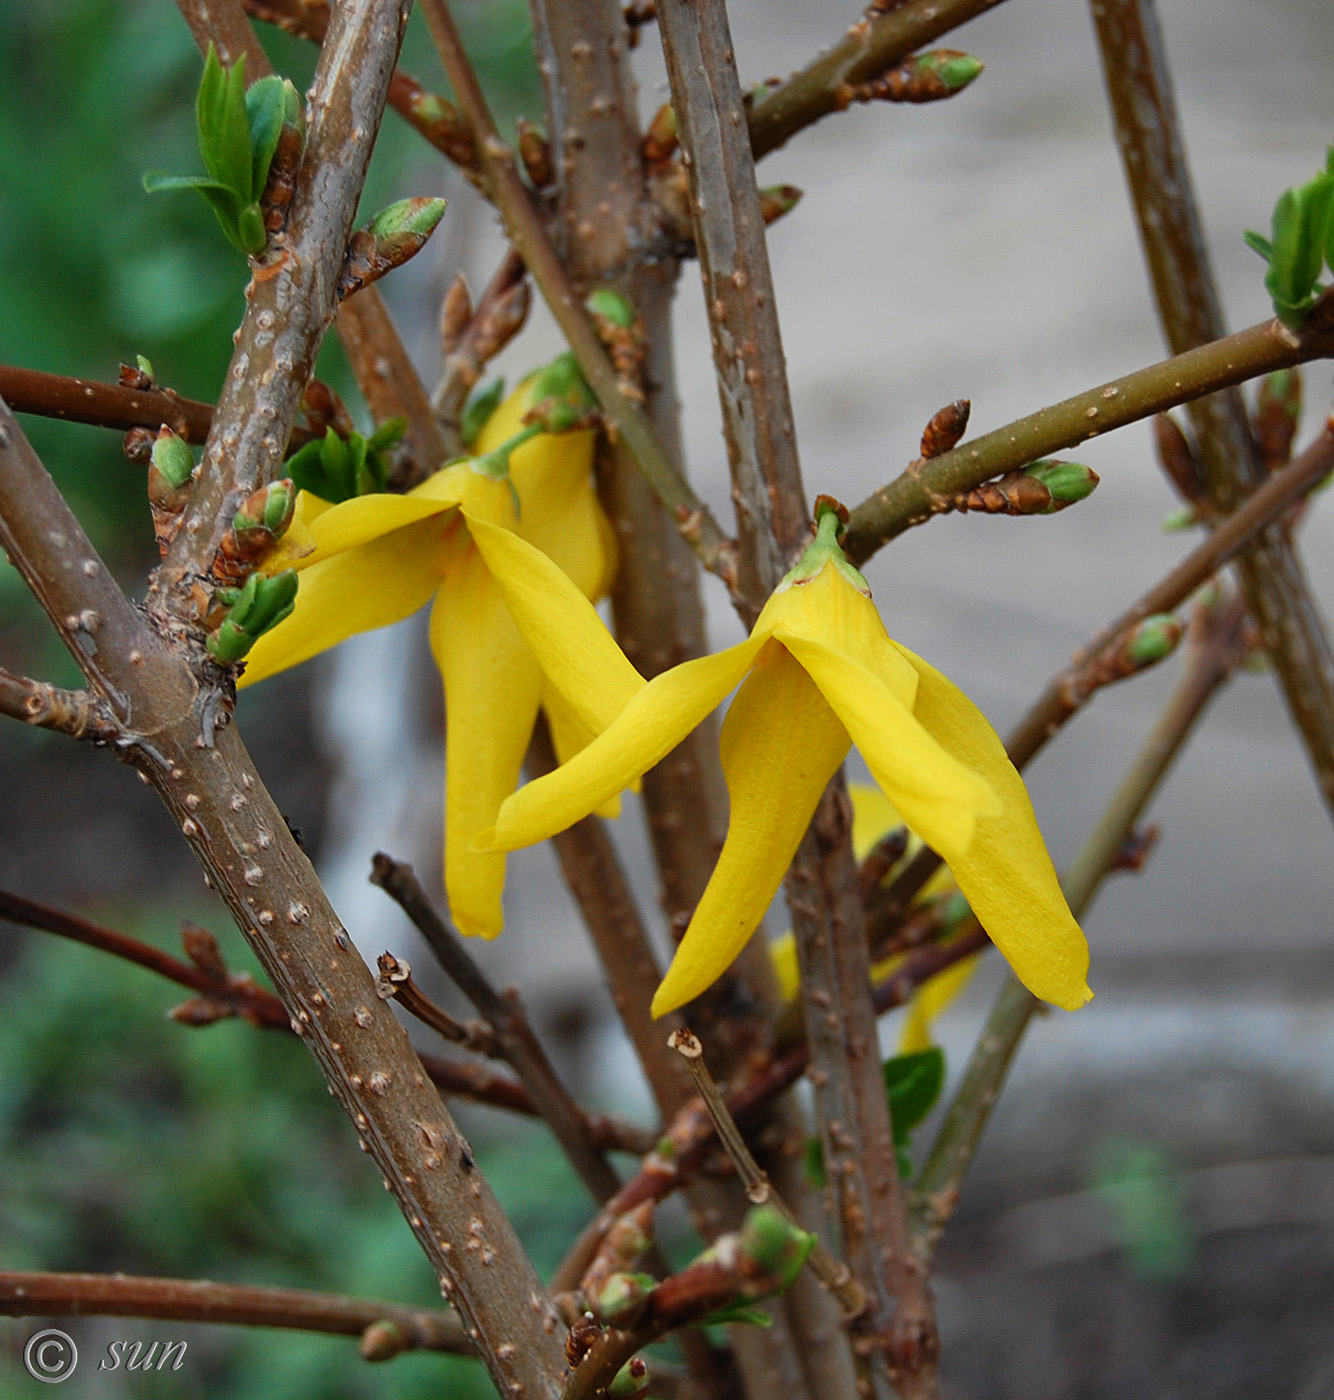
(611, 306)
(622, 1297)
(923, 77)
(172, 458)
(268, 510)
(777, 200)
(1151, 640)
(455, 314)
(1178, 458)
(535, 152)
(775, 1245)
(631, 1379)
(382, 1341)
(662, 137)
(946, 428)
(1068, 482)
(1278, 410)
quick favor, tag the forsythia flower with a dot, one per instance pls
(820, 672)
(375, 559)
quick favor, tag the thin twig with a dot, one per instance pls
(72, 712)
(837, 1277)
(106, 405)
(1149, 133)
(1076, 684)
(397, 1328)
(508, 1019)
(1217, 647)
(870, 46)
(396, 984)
(525, 227)
(915, 496)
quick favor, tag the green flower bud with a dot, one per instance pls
(269, 509)
(382, 1341)
(955, 70)
(173, 459)
(416, 218)
(622, 1296)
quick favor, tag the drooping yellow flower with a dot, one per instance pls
(375, 559)
(820, 672)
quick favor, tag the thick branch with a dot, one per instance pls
(185, 1300)
(210, 787)
(772, 515)
(1139, 84)
(916, 495)
(292, 296)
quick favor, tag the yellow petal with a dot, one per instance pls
(930, 1000)
(569, 736)
(783, 956)
(577, 654)
(874, 816)
(647, 730)
(781, 743)
(939, 797)
(492, 686)
(831, 610)
(1006, 875)
(364, 518)
(380, 583)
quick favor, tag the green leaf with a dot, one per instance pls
(913, 1083)
(1260, 243)
(252, 237)
(265, 105)
(389, 434)
(480, 406)
(155, 181)
(306, 469)
(738, 1312)
(224, 128)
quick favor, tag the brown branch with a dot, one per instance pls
(72, 712)
(293, 293)
(525, 227)
(873, 43)
(104, 405)
(195, 760)
(772, 515)
(396, 984)
(1218, 645)
(507, 1018)
(914, 496)
(187, 1300)
(1139, 85)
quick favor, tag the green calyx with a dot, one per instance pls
(826, 548)
(238, 130)
(1301, 246)
(1068, 482)
(261, 604)
(561, 399)
(495, 465)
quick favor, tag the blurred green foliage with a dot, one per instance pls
(132, 1143)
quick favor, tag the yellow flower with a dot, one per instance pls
(820, 672)
(375, 559)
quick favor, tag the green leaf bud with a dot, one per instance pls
(172, 458)
(955, 70)
(611, 306)
(416, 217)
(774, 1243)
(630, 1380)
(1152, 639)
(1068, 482)
(269, 509)
(382, 1341)
(622, 1296)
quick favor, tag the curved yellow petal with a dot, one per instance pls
(939, 797)
(569, 736)
(873, 816)
(364, 518)
(783, 958)
(574, 649)
(831, 610)
(781, 743)
(645, 731)
(1006, 875)
(382, 582)
(492, 686)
